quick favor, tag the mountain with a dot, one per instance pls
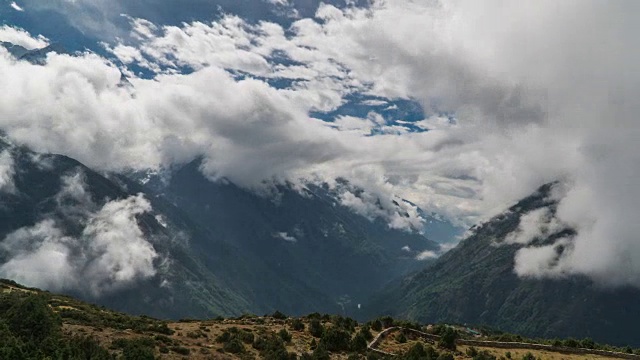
(64, 227)
(35, 56)
(300, 250)
(190, 247)
(475, 283)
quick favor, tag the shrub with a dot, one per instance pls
(320, 353)
(335, 339)
(233, 346)
(284, 335)
(297, 325)
(366, 332)
(358, 343)
(528, 356)
(376, 325)
(278, 315)
(484, 355)
(402, 338)
(315, 328)
(180, 350)
(471, 352)
(445, 356)
(448, 339)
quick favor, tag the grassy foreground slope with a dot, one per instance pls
(36, 324)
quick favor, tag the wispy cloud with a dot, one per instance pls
(16, 7)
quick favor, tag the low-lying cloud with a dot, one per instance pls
(109, 254)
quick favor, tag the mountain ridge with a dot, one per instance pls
(475, 283)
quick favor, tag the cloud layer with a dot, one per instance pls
(532, 93)
(110, 253)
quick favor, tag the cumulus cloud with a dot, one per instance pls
(537, 224)
(110, 253)
(516, 95)
(7, 171)
(20, 37)
(427, 255)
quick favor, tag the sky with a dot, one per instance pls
(461, 107)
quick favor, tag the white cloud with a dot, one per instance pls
(537, 224)
(7, 171)
(20, 37)
(16, 7)
(286, 237)
(540, 92)
(427, 255)
(110, 253)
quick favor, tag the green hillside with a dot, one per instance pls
(475, 283)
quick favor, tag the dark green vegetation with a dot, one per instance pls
(30, 329)
(40, 325)
(475, 284)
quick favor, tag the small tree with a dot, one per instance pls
(448, 339)
(376, 325)
(445, 356)
(528, 356)
(315, 328)
(297, 325)
(358, 343)
(284, 335)
(402, 338)
(278, 315)
(321, 353)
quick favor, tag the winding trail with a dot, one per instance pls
(373, 345)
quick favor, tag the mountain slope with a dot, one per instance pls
(57, 222)
(310, 253)
(190, 248)
(475, 283)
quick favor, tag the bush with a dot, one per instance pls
(376, 325)
(315, 328)
(297, 325)
(484, 355)
(528, 356)
(278, 315)
(570, 343)
(321, 353)
(402, 338)
(335, 339)
(448, 339)
(271, 347)
(136, 349)
(180, 350)
(418, 352)
(445, 356)
(471, 352)
(358, 343)
(387, 321)
(32, 320)
(233, 346)
(587, 344)
(284, 335)
(366, 332)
